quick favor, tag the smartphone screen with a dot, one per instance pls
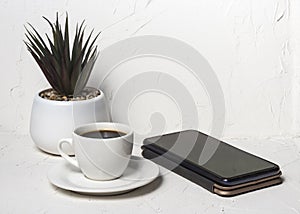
(211, 158)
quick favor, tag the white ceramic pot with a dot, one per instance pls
(53, 120)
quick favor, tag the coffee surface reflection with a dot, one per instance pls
(103, 134)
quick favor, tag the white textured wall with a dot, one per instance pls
(252, 46)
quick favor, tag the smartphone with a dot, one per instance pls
(222, 167)
(224, 191)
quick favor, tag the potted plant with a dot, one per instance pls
(57, 110)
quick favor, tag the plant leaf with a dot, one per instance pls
(50, 75)
(90, 49)
(67, 73)
(85, 74)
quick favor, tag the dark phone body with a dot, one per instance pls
(223, 164)
(208, 184)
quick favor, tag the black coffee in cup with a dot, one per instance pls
(103, 134)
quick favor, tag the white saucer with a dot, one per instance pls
(139, 172)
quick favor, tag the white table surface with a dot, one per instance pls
(25, 188)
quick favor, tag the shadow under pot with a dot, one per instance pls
(52, 120)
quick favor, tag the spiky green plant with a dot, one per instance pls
(66, 71)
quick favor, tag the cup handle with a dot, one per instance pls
(63, 154)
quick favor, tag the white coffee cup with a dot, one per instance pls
(100, 158)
